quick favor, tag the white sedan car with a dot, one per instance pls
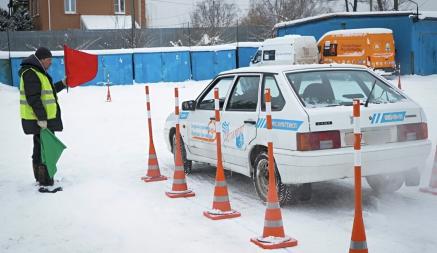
(312, 127)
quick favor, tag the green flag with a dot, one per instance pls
(51, 150)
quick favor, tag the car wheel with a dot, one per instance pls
(386, 183)
(187, 163)
(286, 193)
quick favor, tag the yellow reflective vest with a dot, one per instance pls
(47, 98)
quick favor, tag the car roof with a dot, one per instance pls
(289, 67)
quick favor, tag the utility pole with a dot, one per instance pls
(133, 37)
(133, 23)
(10, 6)
(396, 5)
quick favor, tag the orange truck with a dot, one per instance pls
(372, 47)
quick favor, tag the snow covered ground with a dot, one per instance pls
(105, 207)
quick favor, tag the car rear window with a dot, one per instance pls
(339, 87)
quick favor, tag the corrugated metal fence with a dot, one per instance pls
(150, 65)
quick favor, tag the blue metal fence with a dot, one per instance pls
(56, 71)
(162, 67)
(207, 64)
(5, 71)
(150, 67)
(425, 47)
(245, 54)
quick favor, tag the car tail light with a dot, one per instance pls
(318, 140)
(412, 132)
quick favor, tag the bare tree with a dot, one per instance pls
(380, 6)
(386, 5)
(267, 13)
(355, 5)
(212, 16)
(396, 5)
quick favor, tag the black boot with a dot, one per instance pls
(43, 176)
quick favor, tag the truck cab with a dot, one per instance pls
(289, 49)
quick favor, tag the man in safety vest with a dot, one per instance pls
(39, 106)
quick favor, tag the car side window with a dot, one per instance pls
(206, 102)
(330, 49)
(244, 95)
(269, 55)
(278, 100)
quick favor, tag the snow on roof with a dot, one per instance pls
(4, 55)
(428, 15)
(289, 67)
(248, 44)
(358, 31)
(341, 14)
(103, 22)
(214, 48)
(55, 53)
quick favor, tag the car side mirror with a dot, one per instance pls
(189, 105)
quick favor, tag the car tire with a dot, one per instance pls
(188, 164)
(386, 183)
(286, 193)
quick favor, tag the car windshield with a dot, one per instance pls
(339, 87)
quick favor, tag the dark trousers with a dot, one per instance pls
(36, 156)
(39, 170)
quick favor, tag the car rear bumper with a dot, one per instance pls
(313, 166)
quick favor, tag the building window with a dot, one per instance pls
(70, 6)
(34, 8)
(119, 6)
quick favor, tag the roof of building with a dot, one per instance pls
(342, 14)
(104, 22)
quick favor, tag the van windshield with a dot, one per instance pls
(339, 87)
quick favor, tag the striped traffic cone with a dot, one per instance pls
(273, 235)
(221, 207)
(358, 239)
(433, 182)
(153, 173)
(179, 188)
(399, 77)
(108, 94)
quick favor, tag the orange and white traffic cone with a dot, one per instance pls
(433, 182)
(108, 94)
(399, 77)
(179, 188)
(153, 173)
(273, 235)
(221, 207)
(358, 239)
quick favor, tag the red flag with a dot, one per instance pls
(80, 67)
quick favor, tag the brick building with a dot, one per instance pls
(86, 14)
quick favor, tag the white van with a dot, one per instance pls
(289, 49)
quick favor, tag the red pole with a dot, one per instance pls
(358, 239)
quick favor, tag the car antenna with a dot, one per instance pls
(370, 94)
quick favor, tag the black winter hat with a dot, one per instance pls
(43, 53)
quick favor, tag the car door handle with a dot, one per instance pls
(252, 122)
